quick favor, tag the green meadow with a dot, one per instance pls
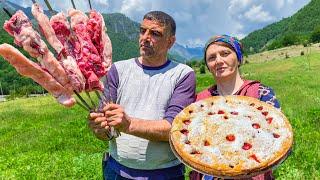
(39, 139)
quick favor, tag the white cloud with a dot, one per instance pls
(280, 4)
(102, 2)
(257, 14)
(238, 4)
(290, 1)
(196, 20)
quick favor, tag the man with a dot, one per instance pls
(149, 91)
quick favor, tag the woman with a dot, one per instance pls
(223, 57)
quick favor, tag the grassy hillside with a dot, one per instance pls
(299, 25)
(41, 140)
(284, 53)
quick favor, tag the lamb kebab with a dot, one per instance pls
(68, 61)
(20, 27)
(28, 68)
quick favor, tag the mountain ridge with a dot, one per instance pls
(302, 23)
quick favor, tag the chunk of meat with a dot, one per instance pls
(20, 28)
(71, 46)
(88, 58)
(32, 70)
(97, 31)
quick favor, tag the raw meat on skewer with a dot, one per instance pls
(28, 68)
(88, 58)
(65, 56)
(46, 29)
(97, 31)
(24, 35)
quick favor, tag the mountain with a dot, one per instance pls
(186, 53)
(299, 26)
(11, 7)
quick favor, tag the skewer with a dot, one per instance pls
(112, 133)
(81, 105)
(90, 5)
(7, 12)
(86, 107)
(83, 101)
(92, 102)
(74, 7)
(96, 92)
(48, 5)
(98, 95)
(52, 12)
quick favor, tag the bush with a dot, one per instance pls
(290, 39)
(305, 44)
(287, 56)
(315, 35)
(202, 69)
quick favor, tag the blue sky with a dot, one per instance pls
(197, 20)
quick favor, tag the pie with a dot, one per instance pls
(231, 136)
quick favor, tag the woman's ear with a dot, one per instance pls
(239, 64)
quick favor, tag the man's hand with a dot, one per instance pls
(116, 117)
(99, 125)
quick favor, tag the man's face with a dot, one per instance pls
(154, 39)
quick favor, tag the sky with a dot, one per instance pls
(197, 20)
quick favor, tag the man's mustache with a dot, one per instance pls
(145, 45)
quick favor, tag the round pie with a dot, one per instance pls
(231, 136)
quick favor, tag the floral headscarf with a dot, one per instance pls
(233, 41)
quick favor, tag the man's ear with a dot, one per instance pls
(172, 40)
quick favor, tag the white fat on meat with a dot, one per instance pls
(30, 40)
(77, 17)
(47, 30)
(27, 68)
(62, 31)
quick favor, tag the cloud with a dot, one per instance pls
(257, 14)
(196, 20)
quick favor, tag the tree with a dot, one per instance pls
(202, 69)
(315, 35)
(290, 39)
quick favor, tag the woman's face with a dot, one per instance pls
(222, 61)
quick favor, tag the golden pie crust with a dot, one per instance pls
(231, 136)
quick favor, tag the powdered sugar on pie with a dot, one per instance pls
(231, 136)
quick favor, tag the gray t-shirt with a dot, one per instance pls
(151, 93)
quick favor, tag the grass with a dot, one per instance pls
(39, 139)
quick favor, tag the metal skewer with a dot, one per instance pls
(90, 5)
(81, 105)
(74, 7)
(83, 101)
(84, 104)
(112, 133)
(7, 12)
(92, 102)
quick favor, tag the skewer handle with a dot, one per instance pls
(7, 12)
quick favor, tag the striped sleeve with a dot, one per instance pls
(183, 95)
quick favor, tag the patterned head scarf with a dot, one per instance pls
(233, 41)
